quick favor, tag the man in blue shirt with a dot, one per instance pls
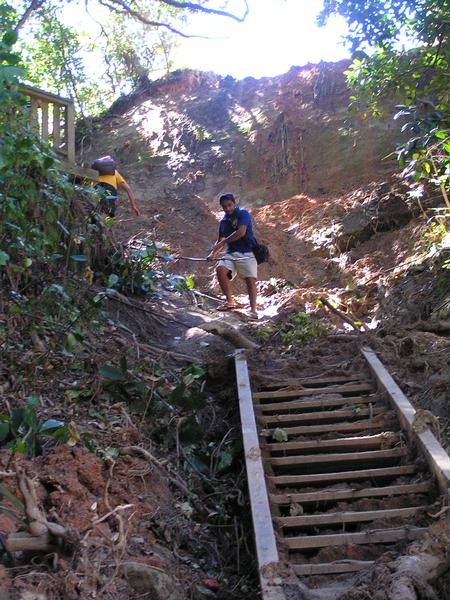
(237, 240)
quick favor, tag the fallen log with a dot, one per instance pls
(229, 333)
(434, 326)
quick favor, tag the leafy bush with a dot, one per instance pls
(39, 225)
(426, 155)
(400, 50)
(297, 329)
(143, 267)
(25, 433)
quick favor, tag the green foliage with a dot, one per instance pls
(53, 61)
(33, 195)
(132, 50)
(165, 404)
(384, 22)
(119, 384)
(418, 77)
(23, 431)
(435, 236)
(210, 459)
(143, 267)
(184, 283)
(201, 134)
(134, 271)
(186, 395)
(426, 155)
(297, 329)
(280, 435)
(265, 332)
(246, 129)
(114, 54)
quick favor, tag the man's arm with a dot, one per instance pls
(222, 241)
(237, 235)
(131, 199)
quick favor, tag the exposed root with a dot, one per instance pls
(410, 576)
(40, 531)
(230, 333)
(337, 312)
(137, 450)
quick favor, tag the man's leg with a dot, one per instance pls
(224, 283)
(252, 292)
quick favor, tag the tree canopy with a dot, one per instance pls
(126, 40)
(398, 45)
(144, 11)
(401, 49)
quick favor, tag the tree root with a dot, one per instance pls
(41, 532)
(175, 481)
(434, 326)
(230, 333)
(410, 576)
(337, 312)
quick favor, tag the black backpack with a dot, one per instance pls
(261, 252)
(105, 165)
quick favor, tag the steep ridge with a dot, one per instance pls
(286, 144)
(267, 139)
(318, 180)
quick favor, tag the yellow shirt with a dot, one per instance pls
(114, 180)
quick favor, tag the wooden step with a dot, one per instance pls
(320, 403)
(312, 381)
(365, 441)
(351, 493)
(291, 480)
(375, 536)
(342, 566)
(322, 416)
(284, 461)
(378, 423)
(348, 517)
(337, 389)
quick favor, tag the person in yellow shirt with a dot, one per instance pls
(110, 181)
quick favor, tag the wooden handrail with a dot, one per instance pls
(54, 118)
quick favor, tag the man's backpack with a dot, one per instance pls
(261, 252)
(105, 165)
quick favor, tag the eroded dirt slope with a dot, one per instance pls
(339, 222)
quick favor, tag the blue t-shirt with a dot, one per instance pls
(230, 223)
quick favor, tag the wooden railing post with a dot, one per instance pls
(44, 123)
(70, 132)
(53, 118)
(34, 113)
(56, 131)
(62, 135)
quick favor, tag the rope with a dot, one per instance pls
(193, 258)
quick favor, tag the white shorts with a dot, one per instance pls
(243, 268)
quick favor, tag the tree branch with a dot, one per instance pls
(194, 6)
(121, 7)
(126, 10)
(35, 5)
